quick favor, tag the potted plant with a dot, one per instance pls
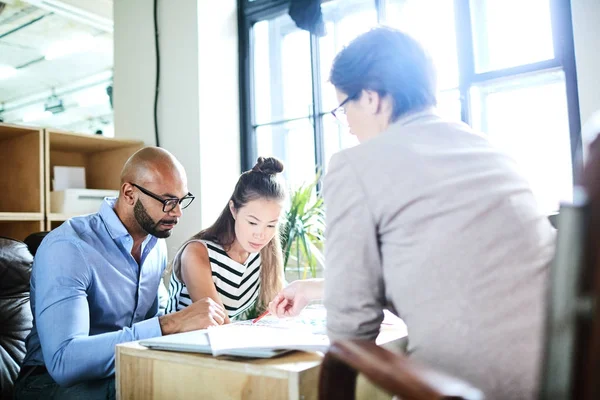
(302, 230)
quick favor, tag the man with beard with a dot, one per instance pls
(96, 282)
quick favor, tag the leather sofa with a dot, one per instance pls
(15, 312)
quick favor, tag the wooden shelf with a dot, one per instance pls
(17, 216)
(59, 217)
(27, 157)
(20, 229)
(82, 143)
(8, 131)
(21, 163)
(103, 158)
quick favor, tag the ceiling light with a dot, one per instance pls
(54, 105)
(70, 46)
(36, 116)
(7, 72)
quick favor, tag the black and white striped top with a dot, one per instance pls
(238, 284)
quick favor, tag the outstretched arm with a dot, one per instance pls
(295, 296)
(354, 288)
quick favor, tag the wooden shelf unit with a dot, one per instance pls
(102, 157)
(17, 216)
(59, 217)
(27, 157)
(21, 181)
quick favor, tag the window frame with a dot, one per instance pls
(251, 12)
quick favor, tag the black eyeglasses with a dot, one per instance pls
(340, 113)
(168, 204)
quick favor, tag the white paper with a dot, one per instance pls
(234, 338)
(194, 341)
(312, 319)
(68, 178)
(268, 337)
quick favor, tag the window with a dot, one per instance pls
(509, 33)
(518, 92)
(506, 67)
(292, 142)
(344, 21)
(435, 30)
(283, 96)
(282, 71)
(534, 136)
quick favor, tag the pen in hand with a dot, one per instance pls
(261, 316)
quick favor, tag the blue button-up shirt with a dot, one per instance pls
(88, 294)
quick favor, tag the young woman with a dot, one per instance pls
(237, 261)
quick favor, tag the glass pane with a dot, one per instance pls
(449, 104)
(294, 144)
(335, 137)
(282, 76)
(344, 20)
(508, 33)
(435, 31)
(528, 118)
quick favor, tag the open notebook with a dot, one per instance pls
(267, 338)
(250, 340)
(199, 342)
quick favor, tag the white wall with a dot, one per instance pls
(198, 110)
(134, 70)
(219, 104)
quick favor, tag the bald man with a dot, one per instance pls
(96, 282)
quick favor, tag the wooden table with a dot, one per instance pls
(142, 373)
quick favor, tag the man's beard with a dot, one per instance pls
(148, 225)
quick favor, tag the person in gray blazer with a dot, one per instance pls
(427, 218)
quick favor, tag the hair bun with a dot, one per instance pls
(268, 165)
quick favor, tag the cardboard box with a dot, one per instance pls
(79, 201)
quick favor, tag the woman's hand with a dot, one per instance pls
(295, 296)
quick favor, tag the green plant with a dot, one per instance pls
(303, 228)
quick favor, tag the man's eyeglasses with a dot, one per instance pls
(168, 204)
(340, 113)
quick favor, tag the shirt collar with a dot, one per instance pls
(115, 227)
(117, 230)
(417, 116)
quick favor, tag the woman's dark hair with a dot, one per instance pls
(389, 62)
(261, 182)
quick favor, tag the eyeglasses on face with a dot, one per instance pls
(340, 113)
(170, 203)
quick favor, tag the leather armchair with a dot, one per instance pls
(15, 312)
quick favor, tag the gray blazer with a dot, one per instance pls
(432, 221)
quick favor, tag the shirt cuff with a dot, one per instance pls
(147, 329)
